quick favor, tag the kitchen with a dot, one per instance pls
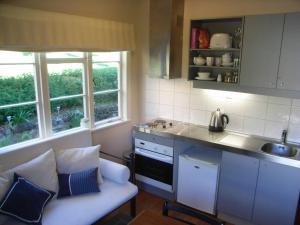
(260, 110)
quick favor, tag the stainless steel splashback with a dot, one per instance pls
(165, 41)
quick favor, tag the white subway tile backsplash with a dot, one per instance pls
(296, 103)
(181, 99)
(151, 110)
(295, 116)
(182, 85)
(254, 126)
(151, 83)
(166, 85)
(166, 111)
(152, 96)
(181, 114)
(274, 129)
(234, 106)
(278, 100)
(277, 112)
(198, 101)
(255, 109)
(198, 117)
(235, 123)
(294, 133)
(166, 98)
(252, 114)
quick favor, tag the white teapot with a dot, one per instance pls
(199, 60)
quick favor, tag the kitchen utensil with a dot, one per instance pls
(218, 121)
(203, 75)
(209, 61)
(199, 60)
(203, 38)
(221, 40)
(218, 61)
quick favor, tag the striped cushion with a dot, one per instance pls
(78, 183)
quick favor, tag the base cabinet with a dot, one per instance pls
(237, 185)
(277, 194)
(258, 192)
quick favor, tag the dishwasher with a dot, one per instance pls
(198, 175)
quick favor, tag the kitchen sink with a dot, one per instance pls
(279, 149)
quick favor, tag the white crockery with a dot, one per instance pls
(203, 75)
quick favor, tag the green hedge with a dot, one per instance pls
(21, 89)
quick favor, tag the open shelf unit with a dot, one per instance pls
(227, 25)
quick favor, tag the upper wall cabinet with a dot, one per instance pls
(289, 68)
(261, 50)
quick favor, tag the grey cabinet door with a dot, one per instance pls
(237, 185)
(261, 50)
(289, 75)
(277, 194)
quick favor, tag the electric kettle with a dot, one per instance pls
(218, 121)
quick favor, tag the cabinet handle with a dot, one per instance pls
(197, 167)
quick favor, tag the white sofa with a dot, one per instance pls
(87, 209)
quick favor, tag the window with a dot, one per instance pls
(60, 81)
(106, 80)
(18, 105)
(65, 82)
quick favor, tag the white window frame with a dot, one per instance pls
(118, 90)
(43, 99)
(35, 103)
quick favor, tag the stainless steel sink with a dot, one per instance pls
(279, 149)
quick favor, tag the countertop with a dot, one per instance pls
(226, 141)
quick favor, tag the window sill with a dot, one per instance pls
(110, 125)
(37, 141)
(62, 134)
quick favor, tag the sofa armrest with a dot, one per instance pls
(114, 171)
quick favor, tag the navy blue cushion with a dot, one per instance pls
(78, 183)
(25, 201)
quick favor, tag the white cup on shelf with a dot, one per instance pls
(209, 61)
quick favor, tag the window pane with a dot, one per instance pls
(105, 56)
(65, 79)
(66, 114)
(16, 57)
(18, 124)
(16, 84)
(105, 76)
(64, 55)
(106, 106)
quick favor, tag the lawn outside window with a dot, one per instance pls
(71, 86)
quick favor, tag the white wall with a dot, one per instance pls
(248, 113)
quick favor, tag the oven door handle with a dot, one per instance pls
(153, 155)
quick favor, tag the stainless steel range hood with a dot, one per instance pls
(165, 40)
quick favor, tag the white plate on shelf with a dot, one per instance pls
(209, 78)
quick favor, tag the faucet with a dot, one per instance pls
(283, 136)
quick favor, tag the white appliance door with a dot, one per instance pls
(197, 184)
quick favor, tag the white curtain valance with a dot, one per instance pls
(26, 29)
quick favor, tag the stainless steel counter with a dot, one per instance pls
(226, 141)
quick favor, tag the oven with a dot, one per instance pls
(154, 164)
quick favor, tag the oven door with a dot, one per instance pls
(154, 168)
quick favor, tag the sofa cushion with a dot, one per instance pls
(87, 209)
(25, 201)
(40, 170)
(78, 159)
(78, 183)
